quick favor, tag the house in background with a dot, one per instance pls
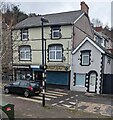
(103, 39)
(90, 62)
(60, 33)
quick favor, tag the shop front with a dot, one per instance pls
(27, 72)
(58, 76)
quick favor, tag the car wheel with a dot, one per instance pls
(26, 93)
(6, 90)
(39, 92)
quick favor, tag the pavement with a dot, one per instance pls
(72, 100)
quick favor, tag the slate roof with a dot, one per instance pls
(94, 42)
(54, 19)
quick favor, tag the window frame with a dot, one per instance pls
(24, 32)
(84, 75)
(55, 29)
(83, 54)
(55, 53)
(25, 53)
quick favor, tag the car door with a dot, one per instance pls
(23, 86)
(15, 87)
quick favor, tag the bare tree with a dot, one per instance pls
(10, 16)
(96, 22)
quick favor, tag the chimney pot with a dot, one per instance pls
(84, 7)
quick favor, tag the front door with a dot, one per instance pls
(92, 82)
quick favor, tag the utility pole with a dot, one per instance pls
(43, 60)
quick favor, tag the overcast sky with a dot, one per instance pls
(99, 9)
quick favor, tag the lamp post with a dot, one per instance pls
(43, 20)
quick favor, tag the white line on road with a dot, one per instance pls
(53, 94)
(67, 98)
(29, 99)
(72, 97)
(40, 97)
(73, 103)
(54, 104)
(50, 96)
(65, 105)
(76, 95)
(61, 101)
(60, 93)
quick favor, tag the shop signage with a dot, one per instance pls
(56, 68)
(20, 66)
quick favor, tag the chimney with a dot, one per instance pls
(98, 29)
(84, 7)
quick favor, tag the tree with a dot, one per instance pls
(96, 22)
(11, 15)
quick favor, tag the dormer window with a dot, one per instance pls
(25, 34)
(55, 32)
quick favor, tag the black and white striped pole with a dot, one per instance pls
(43, 62)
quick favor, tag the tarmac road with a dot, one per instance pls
(62, 104)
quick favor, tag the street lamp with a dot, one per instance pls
(43, 20)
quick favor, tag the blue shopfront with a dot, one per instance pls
(59, 79)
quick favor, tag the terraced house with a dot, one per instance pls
(63, 32)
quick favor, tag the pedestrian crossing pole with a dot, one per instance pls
(43, 63)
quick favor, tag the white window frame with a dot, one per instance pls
(25, 52)
(85, 55)
(56, 30)
(84, 79)
(25, 33)
(55, 52)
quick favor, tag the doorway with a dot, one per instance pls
(92, 82)
(38, 76)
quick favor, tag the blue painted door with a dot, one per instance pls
(58, 78)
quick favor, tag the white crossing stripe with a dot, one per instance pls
(40, 97)
(53, 94)
(73, 103)
(72, 97)
(54, 104)
(67, 98)
(60, 93)
(50, 96)
(65, 105)
(61, 101)
(29, 99)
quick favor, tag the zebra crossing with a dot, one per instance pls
(49, 95)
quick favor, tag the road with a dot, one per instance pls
(60, 104)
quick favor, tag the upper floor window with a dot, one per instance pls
(99, 40)
(85, 58)
(55, 53)
(25, 53)
(24, 34)
(55, 32)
